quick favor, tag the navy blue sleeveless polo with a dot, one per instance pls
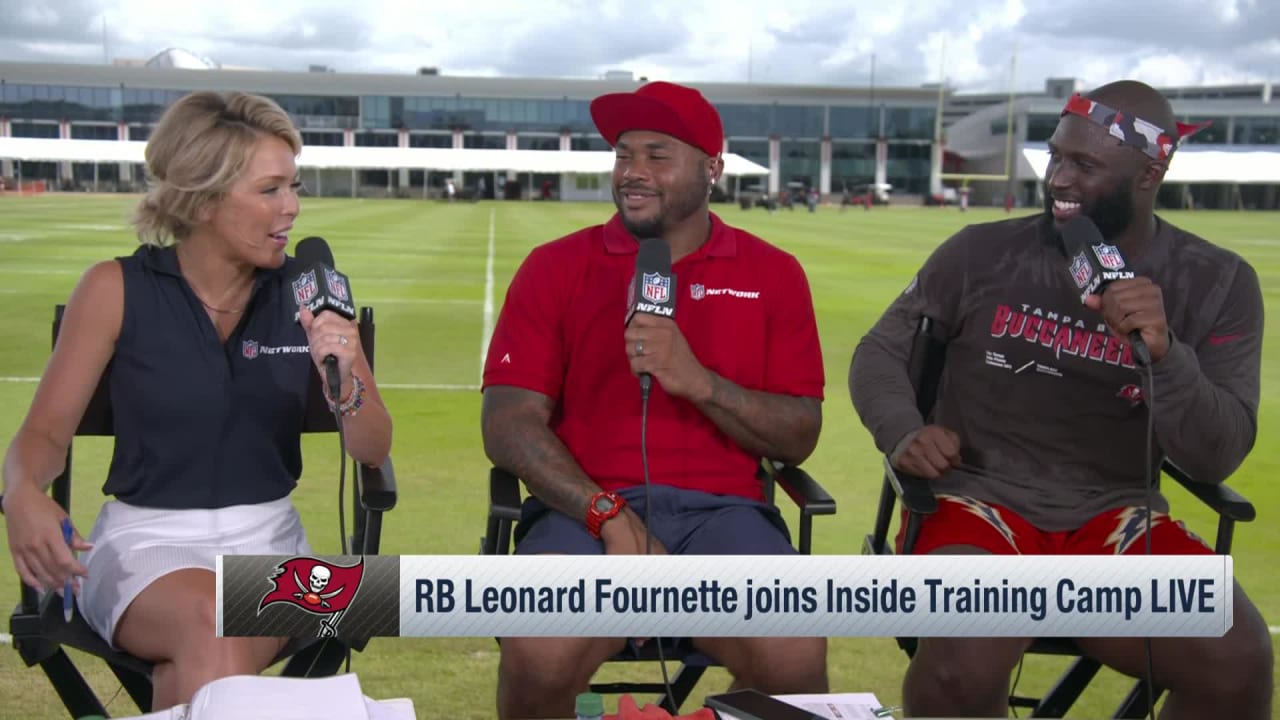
(200, 423)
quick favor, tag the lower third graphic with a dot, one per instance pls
(316, 587)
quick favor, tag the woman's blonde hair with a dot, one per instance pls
(196, 152)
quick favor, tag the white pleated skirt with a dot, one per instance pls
(135, 546)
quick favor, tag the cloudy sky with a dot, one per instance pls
(1169, 42)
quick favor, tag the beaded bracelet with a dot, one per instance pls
(351, 405)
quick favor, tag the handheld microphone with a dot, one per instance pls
(319, 288)
(1095, 264)
(652, 289)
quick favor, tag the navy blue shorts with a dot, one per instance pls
(686, 522)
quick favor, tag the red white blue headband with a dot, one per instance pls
(1156, 142)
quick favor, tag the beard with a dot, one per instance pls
(1111, 212)
(675, 204)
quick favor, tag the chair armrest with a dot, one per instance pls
(804, 491)
(1220, 498)
(504, 495)
(378, 487)
(915, 493)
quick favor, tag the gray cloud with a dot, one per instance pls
(582, 38)
(579, 45)
(1187, 24)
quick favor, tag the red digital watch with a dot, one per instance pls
(603, 506)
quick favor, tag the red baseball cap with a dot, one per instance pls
(668, 108)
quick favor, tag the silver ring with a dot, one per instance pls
(342, 339)
(639, 349)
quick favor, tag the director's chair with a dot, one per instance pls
(40, 634)
(925, 368)
(804, 491)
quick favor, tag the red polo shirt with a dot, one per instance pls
(742, 304)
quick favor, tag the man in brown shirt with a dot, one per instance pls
(1048, 394)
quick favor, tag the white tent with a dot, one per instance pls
(1200, 164)
(369, 158)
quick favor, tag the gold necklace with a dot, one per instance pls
(219, 310)
(202, 302)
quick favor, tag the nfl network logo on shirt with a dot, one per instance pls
(698, 291)
(250, 349)
(657, 288)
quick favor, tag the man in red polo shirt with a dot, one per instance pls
(738, 376)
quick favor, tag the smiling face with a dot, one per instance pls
(659, 182)
(1090, 173)
(254, 217)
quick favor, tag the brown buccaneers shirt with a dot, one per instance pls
(1051, 401)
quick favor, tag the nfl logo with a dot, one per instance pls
(304, 288)
(1080, 270)
(698, 291)
(337, 285)
(656, 288)
(1109, 256)
(250, 349)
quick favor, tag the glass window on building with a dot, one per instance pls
(757, 151)
(33, 130)
(1040, 127)
(746, 120)
(321, 111)
(853, 122)
(799, 161)
(94, 132)
(369, 138)
(1001, 126)
(798, 121)
(909, 123)
(139, 132)
(375, 112)
(907, 169)
(578, 116)
(1256, 131)
(852, 163)
(87, 174)
(145, 105)
(589, 142)
(431, 140)
(322, 137)
(538, 142)
(587, 182)
(470, 114)
(58, 102)
(487, 141)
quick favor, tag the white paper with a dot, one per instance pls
(254, 697)
(833, 706)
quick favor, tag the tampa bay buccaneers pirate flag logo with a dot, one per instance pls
(316, 587)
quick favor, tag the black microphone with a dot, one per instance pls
(318, 287)
(1095, 264)
(652, 289)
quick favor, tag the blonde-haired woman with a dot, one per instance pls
(209, 375)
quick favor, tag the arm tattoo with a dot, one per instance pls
(518, 439)
(778, 427)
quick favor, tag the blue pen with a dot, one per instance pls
(67, 598)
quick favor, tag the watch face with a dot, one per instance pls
(603, 504)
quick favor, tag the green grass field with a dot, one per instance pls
(423, 267)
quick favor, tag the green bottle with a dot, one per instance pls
(589, 706)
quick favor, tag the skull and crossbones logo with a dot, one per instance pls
(312, 592)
